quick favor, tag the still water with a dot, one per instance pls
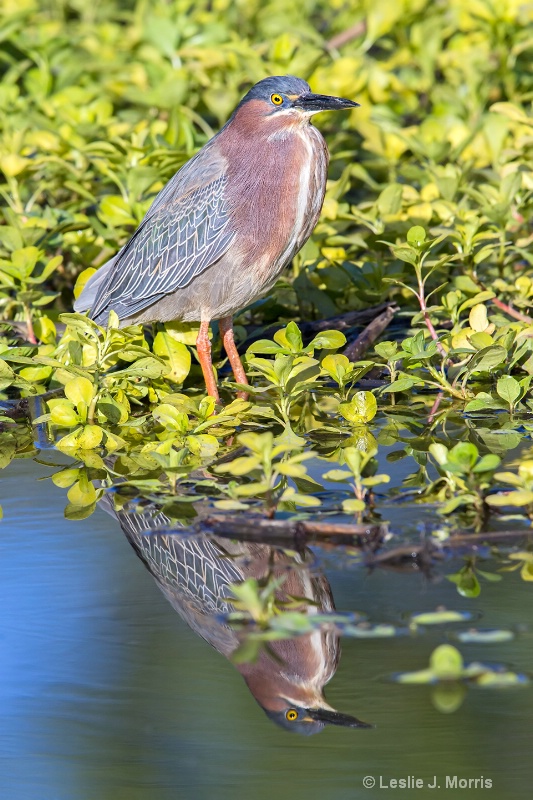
(106, 692)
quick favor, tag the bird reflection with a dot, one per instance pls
(195, 572)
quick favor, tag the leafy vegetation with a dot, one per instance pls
(428, 207)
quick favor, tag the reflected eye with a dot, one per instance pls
(291, 714)
(277, 99)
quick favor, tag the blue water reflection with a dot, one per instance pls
(105, 692)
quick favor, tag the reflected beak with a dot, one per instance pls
(334, 717)
(313, 103)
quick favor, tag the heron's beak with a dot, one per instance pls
(313, 103)
(335, 718)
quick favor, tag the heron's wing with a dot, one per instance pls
(185, 231)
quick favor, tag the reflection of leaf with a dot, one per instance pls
(466, 582)
(440, 617)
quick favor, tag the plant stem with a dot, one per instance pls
(511, 311)
(29, 325)
(421, 295)
(91, 410)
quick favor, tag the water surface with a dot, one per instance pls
(106, 692)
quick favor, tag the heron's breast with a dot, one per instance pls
(276, 190)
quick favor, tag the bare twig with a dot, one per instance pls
(258, 528)
(373, 330)
(342, 38)
(309, 328)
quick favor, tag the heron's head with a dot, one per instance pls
(296, 704)
(289, 98)
(310, 718)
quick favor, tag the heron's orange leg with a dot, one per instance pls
(226, 332)
(203, 347)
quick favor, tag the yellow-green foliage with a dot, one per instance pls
(101, 103)
(428, 205)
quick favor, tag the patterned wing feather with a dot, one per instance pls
(186, 230)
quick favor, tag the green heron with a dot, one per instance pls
(194, 573)
(222, 229)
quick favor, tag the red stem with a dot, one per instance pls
(511, 311)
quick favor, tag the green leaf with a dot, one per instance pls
(240, 466)
(90, 437)
(467, 582)
(25, 260)
(416, 236)
(150, 368)
(400, 385)
(265, 346)
(440, 617)
(81, 324)
(446, 662)
(64, 414)
(361, 409)
(487, 463)
(386, 350)
(439, 453)
(336, 366)
(203, 445)
(80, 390)
(487, 359)
(520, 498)
(390, 199)
(462, 455)
(328, 340)
(508, 389)
(79, 495)
(184, 332)
(65, 478)
(10, 238)
(175, 354)
(77, 512)
(337, 475)
(483, 402)
(353, 506)
(82, 279)
(116, 211)
(407, 254)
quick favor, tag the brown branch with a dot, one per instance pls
(308, 328)
(462, 538)
(258, 528)
(366, 338)
(342, 38)
(428, 551)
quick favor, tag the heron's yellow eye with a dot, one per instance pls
(277, 99)
(291, 714)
